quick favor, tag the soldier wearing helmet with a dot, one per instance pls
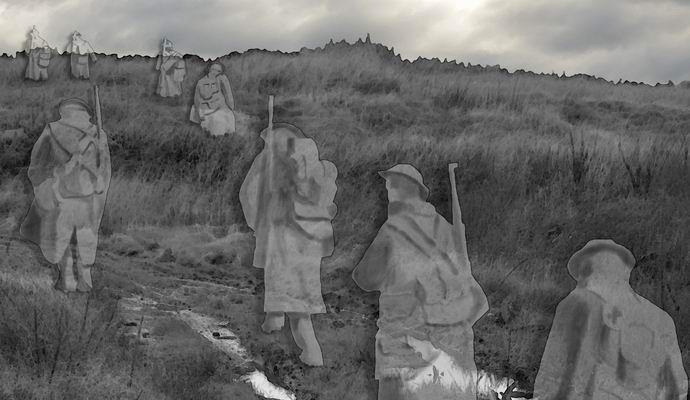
(70, 175)
(429, 299)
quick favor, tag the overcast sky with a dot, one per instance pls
(641, 40)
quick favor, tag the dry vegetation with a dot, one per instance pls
(546, 164)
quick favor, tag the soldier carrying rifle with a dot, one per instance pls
(172, 68)
(429, 299)
(70, 175)
(287, 200)
(39, 53)
(80, 51)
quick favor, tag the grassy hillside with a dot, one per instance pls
(546, 164)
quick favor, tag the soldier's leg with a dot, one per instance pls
(274, 321)
(85, 257)
(84, 283)
(305, 338)
(66, 281)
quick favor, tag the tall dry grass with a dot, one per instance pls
(546, 164)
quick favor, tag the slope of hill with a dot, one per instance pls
(546, 164)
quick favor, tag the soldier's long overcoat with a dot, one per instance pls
(172, 71)
(601, 350)
(287, 199)
(428, 294)
(70, 175)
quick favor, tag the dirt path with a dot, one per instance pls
(174, 301)
(214, 331)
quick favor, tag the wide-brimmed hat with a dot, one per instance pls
(75, 102)
(580, 264)
(407, 171)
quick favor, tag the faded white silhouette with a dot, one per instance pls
(39, 52)
(70, 175)
(213, 103)
(172, 70)
(80, 51)
(287, 199)
(429, 299)
(607, 342)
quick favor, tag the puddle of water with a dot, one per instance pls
(263, 387)
(224, 340)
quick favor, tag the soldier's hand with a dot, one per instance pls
(100, 187)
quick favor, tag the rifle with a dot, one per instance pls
(99, 124)
(266, 192)
(97, 100)
(270, 144)
(458, 226)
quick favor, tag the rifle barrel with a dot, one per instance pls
(455, 203)
(97, 100)
(270, 112)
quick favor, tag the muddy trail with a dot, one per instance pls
(194, 290)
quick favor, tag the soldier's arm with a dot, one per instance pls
(104, 155)
(674, 376)
(249, 196)
(227, 91)
(373, 269)
(42, 159)
(197, 98)
(569, 357)
(480, 303)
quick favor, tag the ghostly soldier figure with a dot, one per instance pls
(39, 56)
(429, 299)
(70, 175)
(287, 199)
(80, 51)
(213, 103)
(172, 68)
(607, 342)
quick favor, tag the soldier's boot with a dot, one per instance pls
(66, 281)
(274, 321)
(84, 283)
(303, 333)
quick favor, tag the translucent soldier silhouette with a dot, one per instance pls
(39, 53)
(172, 68)
(70, 175)
(213, 103)
(287, 199)
(607, 342)
(80, 51)
(429, 299)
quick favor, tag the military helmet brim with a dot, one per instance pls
(580, 264)
(408, 172)
(75, 103)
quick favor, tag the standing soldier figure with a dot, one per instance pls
(39, 53)
(172, 68)
(607, 342)
(80, 51)
(287, 199)
(70, 175)
(429, 299)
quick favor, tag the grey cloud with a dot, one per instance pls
(575, 26)
(617, 38)
(634, 39)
